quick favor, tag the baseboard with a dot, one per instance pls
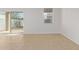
(44, 33)
(70, 38)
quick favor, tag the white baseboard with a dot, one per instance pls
(70, 38)
(44, 33)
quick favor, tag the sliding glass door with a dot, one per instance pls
(17, 22)
(11, 22)
(2, 21)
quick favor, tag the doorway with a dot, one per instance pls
(11, 22)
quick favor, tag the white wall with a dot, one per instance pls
(70, 23)
(34, 22)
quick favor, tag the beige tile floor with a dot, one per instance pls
(36, 42)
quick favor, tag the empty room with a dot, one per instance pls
(39, 28)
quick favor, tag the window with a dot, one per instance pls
(11, 21)
(17, 21)
(2, 21)
(48, 15)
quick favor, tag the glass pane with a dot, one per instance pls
(17, 21)
(2, 21)
(48, 15)
(48, 10)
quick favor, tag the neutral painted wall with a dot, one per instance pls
(34, 21)
(70, 23)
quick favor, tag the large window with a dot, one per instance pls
(11, 21)
(2, 21)
(17, 21)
